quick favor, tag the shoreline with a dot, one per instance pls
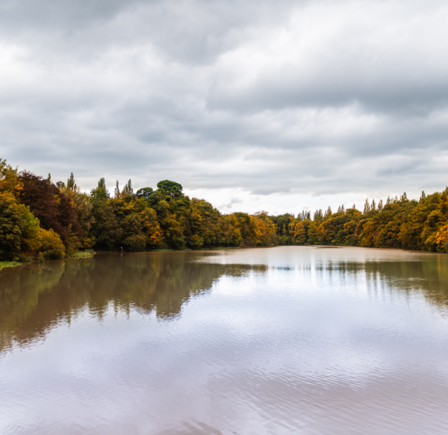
(91, 254)
(76, 256)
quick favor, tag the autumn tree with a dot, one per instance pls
(9, 180)
(52, 207)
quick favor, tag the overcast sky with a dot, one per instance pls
(254, 105)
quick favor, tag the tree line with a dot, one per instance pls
(396, 223)
(50, 220)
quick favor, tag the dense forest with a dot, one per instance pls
(47, 220)
(397, 223)
(39, 218)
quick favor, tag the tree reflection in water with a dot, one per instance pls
(35, 298)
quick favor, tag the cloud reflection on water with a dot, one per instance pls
(34, 299)
(283, 340)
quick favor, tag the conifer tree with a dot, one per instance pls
(102, 183)
(117, 192)
(127, 189)
(71, 184)
(318, 215)
(366, 207)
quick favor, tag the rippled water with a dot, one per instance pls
(288, 340)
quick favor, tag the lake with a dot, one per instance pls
(285, 340)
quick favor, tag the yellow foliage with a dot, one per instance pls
(151, 227)
(298, 232)
(52, 247)
(9, 181)
(263, 230)
(442, 239)
(368, 235)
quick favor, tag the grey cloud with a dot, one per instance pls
(403, 99)
(406, 87)
(196, 91)
(187, 31)
(64, 15)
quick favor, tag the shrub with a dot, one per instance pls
(52, 247)
(136, 242)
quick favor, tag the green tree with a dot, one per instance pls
(31, 238)
(144, 192)
(11, 227)
(170, 188)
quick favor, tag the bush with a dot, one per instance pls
(136, 242)
(52, 247)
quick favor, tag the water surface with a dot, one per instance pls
(287, 340)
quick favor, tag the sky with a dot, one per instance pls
(253, 105)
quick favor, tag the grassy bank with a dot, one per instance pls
(83, 254)
(4, 264)
(80, 254)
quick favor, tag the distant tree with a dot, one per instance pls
(144, 192)
(318, 215)
(128, 189)
(170, 188)
(117, 192)
(366, 207)
(71, 183)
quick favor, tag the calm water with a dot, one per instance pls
(289, 340)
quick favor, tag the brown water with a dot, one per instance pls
(289, 340)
